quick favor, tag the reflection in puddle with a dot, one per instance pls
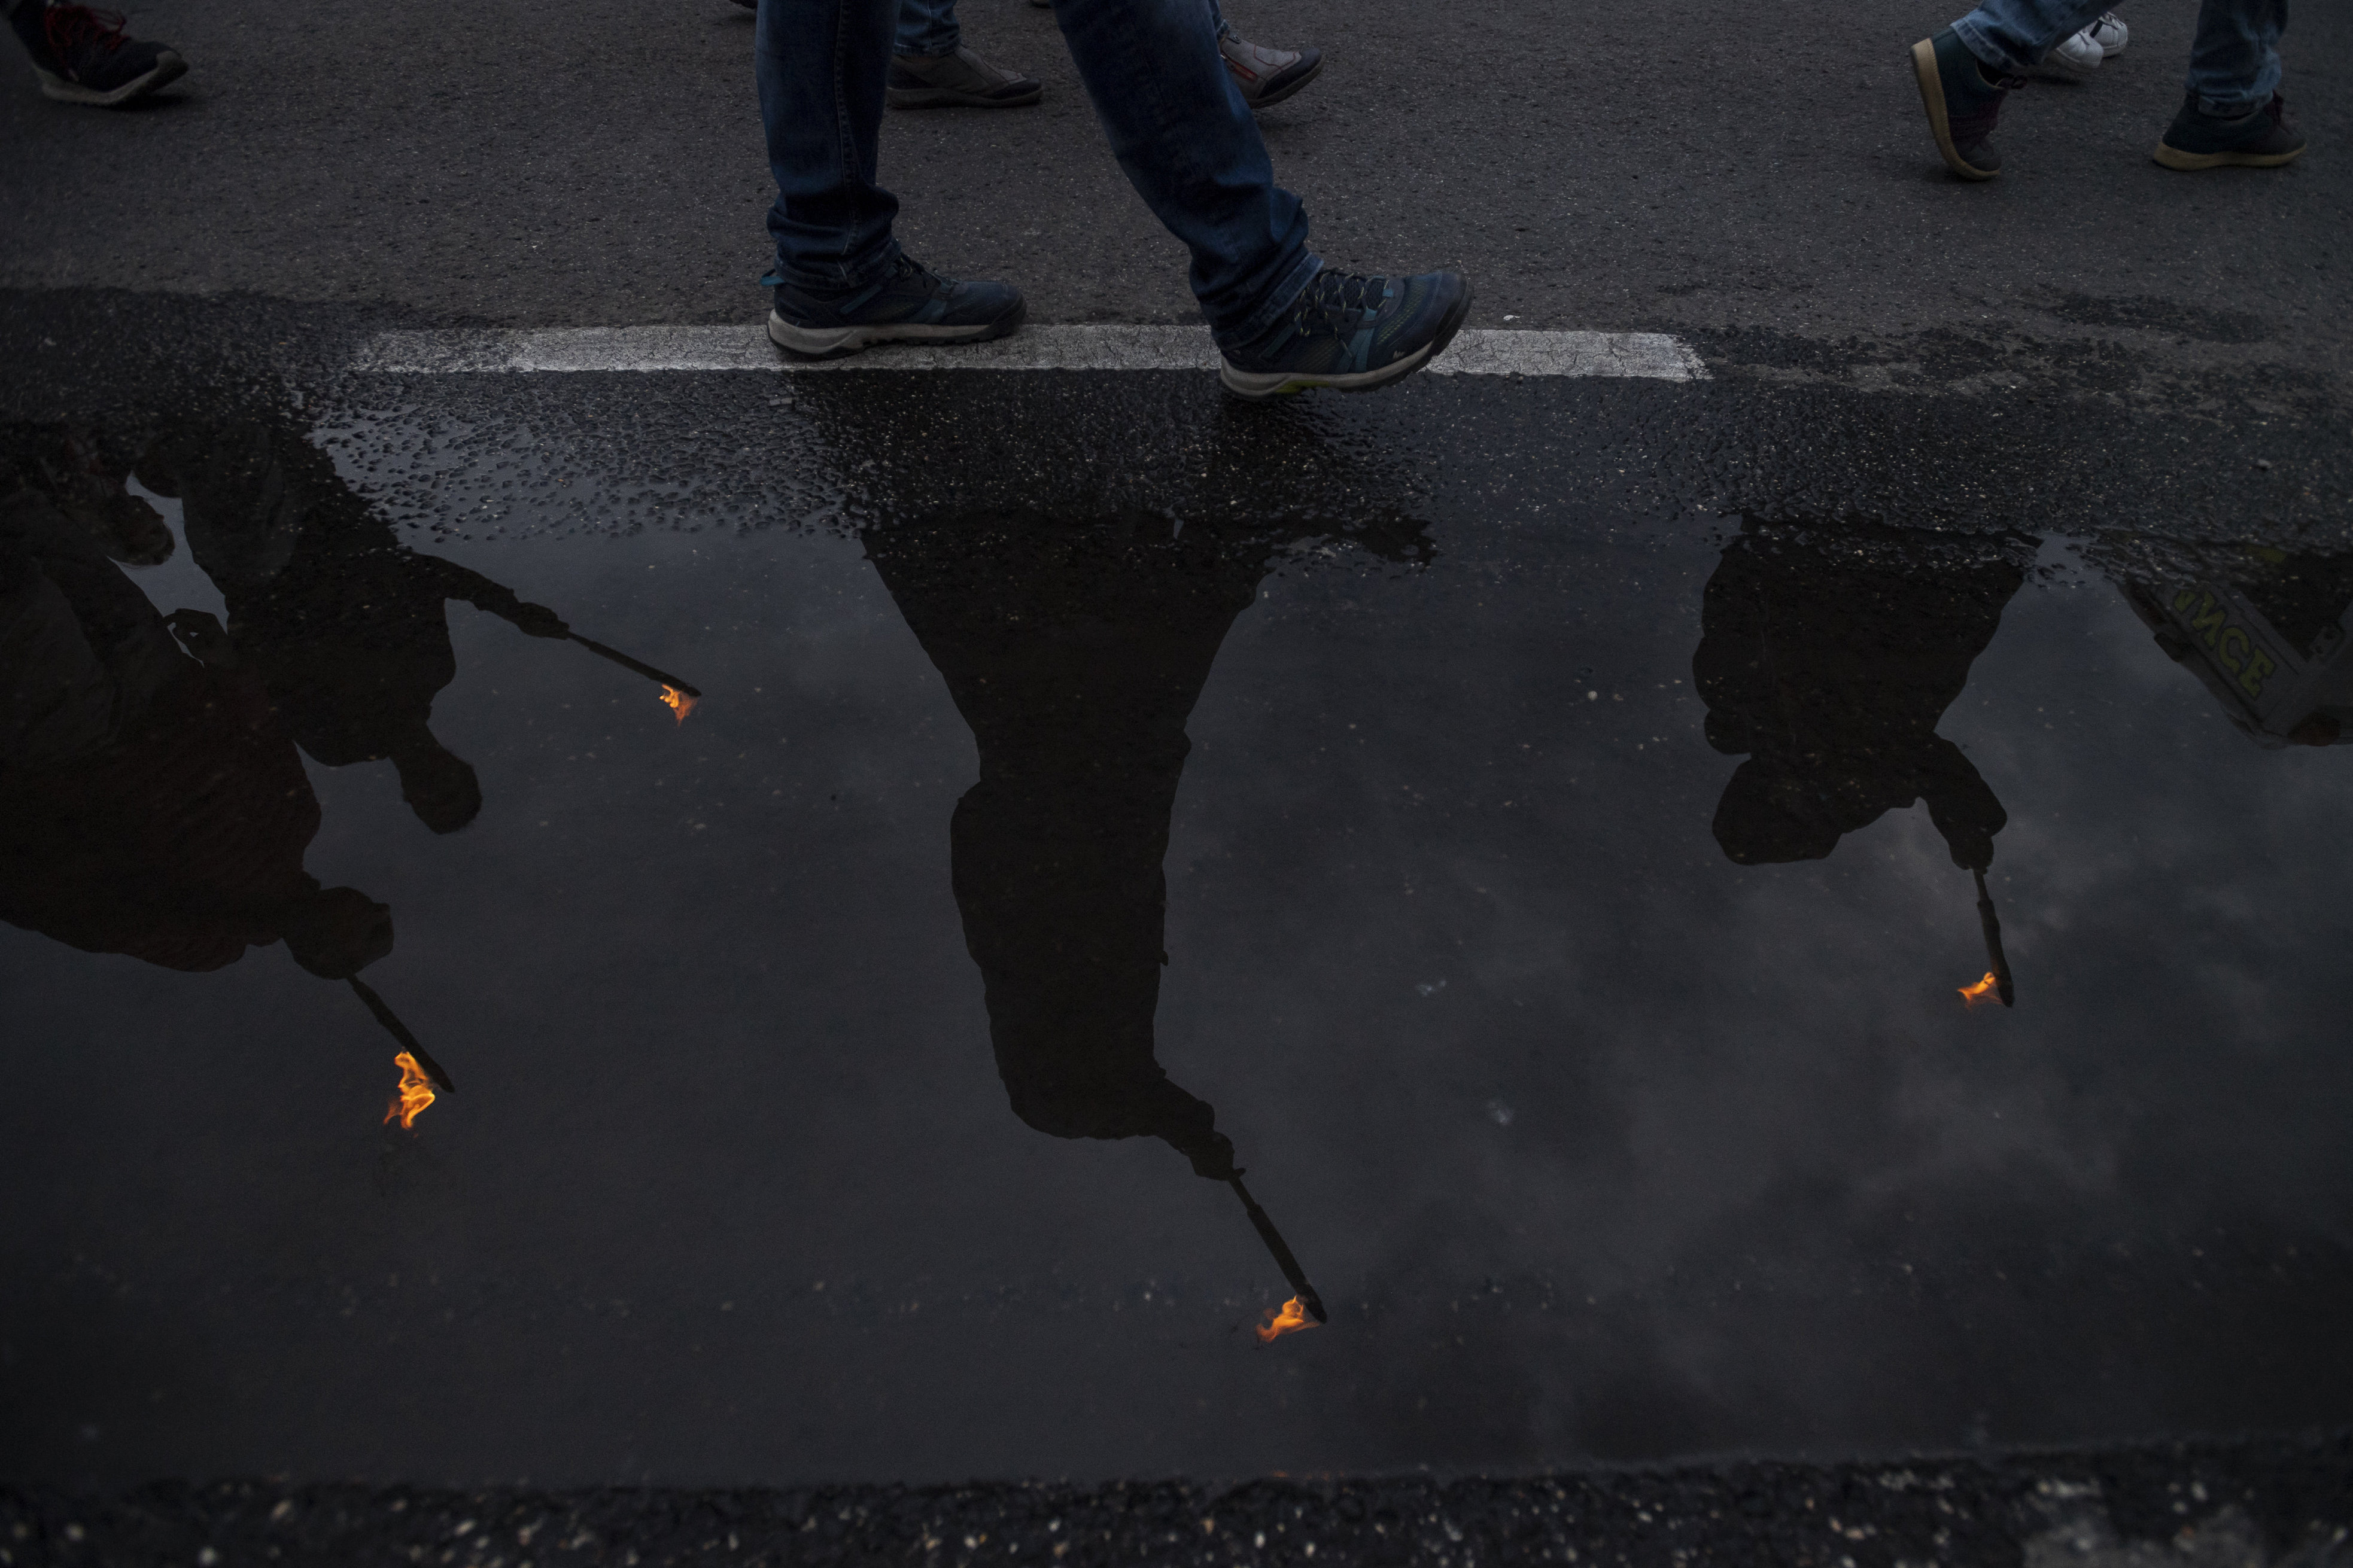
(1592, 1032)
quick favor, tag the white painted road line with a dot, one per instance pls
(1656, 356)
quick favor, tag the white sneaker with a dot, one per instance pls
(2072, 58)
(2110, 33)
(1267, 76)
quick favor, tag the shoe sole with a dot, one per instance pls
(169, 68)
(1288, 89)
(2174, 158)
(948, 98)
(832, 342)
(1932, 99)
(1259, 386)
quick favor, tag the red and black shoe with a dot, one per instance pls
(83, 55)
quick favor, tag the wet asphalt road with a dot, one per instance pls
(2084, 377)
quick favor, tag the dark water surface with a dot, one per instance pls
(1543, 912)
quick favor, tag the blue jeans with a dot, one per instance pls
(1174, 117)
(929, 28)
(2234, 64)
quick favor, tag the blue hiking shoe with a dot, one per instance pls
(1351, 332)
(913, 304)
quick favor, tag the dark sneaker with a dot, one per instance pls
(960, 80)
(2262, 139)
(1353, 332)
(1962, 101)
(82, 56)
(1265, 76)
(912, 305)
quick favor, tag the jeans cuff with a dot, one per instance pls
(1272, 304)
(2236, 109)
(832, 283)
(1989, 54)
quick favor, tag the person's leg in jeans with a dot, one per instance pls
(1181, 131)
(1182, 135)
(2234, 65)
(930, 67)
(928, 28)
(819, 65)
(2009, 37)
(841, 281)
(2231, 111)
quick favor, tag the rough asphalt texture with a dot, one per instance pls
(2189, 1506)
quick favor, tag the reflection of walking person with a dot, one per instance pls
(2232, 113)
(151, 804)
(1076, 656)
(345, 625)
(1828, 669)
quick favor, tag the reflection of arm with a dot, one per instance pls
(456, 582)
(1961, 804)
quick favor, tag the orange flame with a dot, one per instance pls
(1290, 1321)
(1982, 992)
(415, 1094)
(679, 702)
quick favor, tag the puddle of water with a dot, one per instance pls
(1563, 930)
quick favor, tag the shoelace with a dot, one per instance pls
(69, 26)
(1337, 302)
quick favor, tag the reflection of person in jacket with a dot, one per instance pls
(1827, 658)
(344, 623)
(150, 802)
(1076, 655)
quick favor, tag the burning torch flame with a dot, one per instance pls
(1982, 992)
(415, 1094)
(1290, 1321)
(679, 702)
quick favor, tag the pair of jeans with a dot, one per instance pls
(930, 28)
(2234, 64)
(1175, 119)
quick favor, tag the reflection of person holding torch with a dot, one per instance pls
(344, 623)
(1076, 656)
(1828, 659)
(150, 802)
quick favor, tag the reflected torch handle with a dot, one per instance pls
(626, 662)
(399, 1031)
(1995, 960)
(1282, 1257)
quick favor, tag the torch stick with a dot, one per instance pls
(399, 1031)
(1282, 1257)
(626, 662)
(1994, 959)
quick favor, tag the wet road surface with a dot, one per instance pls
(1558, 896)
